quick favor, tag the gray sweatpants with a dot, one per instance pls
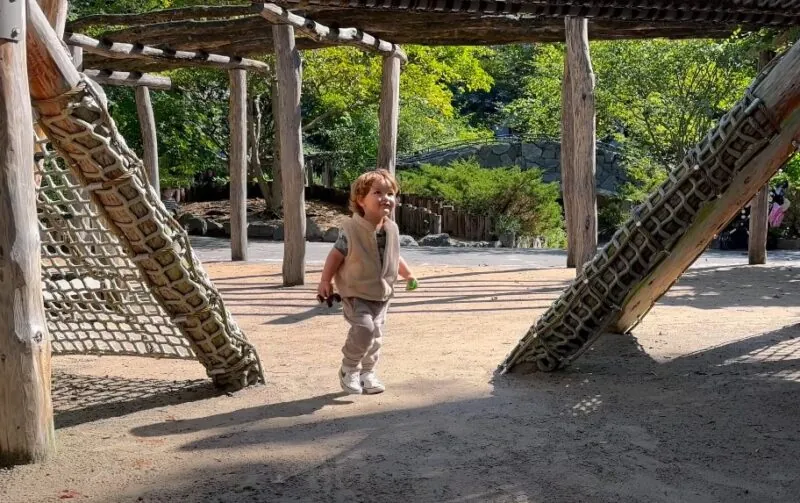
(367, 320)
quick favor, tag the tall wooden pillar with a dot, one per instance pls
(276, 199)
(147, 124)
(237, 166)
(389, 112)
(26, 413)
(289, 75)
(759, 206)
(579, 183)
(567, 160)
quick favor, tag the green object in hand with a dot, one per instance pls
(411, 284)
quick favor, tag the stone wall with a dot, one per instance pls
(545, 155)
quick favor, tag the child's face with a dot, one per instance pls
(380, 200)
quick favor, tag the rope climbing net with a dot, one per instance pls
(95, 299)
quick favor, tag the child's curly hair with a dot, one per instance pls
(361, 187)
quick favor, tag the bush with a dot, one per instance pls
(518, 201)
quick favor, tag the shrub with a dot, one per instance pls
(518, 201)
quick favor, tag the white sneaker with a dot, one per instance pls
(371, 384)
(349, 381)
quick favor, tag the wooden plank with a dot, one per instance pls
(237, 167)
(780, 94)
(26, 415)
(161, 16)
(147, 124)
(129, 79)
(759, 206)
(77, 57)
(167, 57)
(289, 75)
(389, 113)
(580, 193)
(337, 36)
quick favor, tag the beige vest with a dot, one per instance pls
(361, 274)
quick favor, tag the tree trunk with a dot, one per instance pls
(567, 161)
(581, 192)
(26, 413)
(147, 123)
(276, 201)
(759, 206)
(287, 121)
(389, 112)
(237, 167)
(254, 118)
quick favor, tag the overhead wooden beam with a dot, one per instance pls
(579, 192)
(759, 206)
(26, 413)
(289, 76)
(147, 124)
(237, 165)
(162, 16)
(337, 36)
(129, 79)
(175, 58)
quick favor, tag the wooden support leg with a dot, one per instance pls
(389, 112)
(238, 164)
(567, 159)
(26, 414)
(288, 69)
(759, 206)
(147, 124)
(581, 190)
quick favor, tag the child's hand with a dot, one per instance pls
(325, 289)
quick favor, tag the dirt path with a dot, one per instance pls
(700, 406)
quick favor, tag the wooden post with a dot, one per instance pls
(567, 160)
(276, 199)
(237, 167)
(289, 74)
(759, 206)
(147, 124)
(579, 191)
(77, 57)
(389, 112)
(26, 413)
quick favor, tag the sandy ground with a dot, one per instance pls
(700, 405)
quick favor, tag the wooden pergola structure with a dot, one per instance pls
(223, 37)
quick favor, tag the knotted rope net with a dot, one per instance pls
(119, 274)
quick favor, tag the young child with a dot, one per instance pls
(364, 263)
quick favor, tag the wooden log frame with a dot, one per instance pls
(237, 166)
(75, 117)
(288, 69)
(26, 414)
(166, 57)
(147, 125)
(337, 36)
(759, 206)
(389, 112)
(579, 180)
(567, 159)
(129, 79)
(675, 224)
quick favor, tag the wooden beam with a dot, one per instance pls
(337, 36)
(129, 79)
(26, 414)
(779, 93)
(237, 167)
(173, 58)
(162, 16)
(567, 159)
(276, 196)
(389, 112)
(56, 13)
(77, 57)
(147, 124)
(289, 77)
(580, 193)
(759, 206)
